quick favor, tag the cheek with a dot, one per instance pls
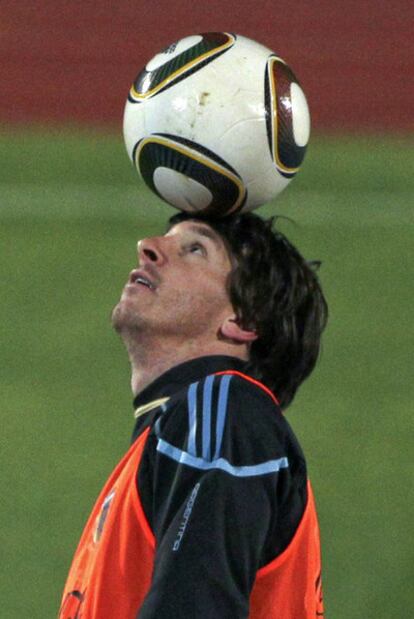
(204, 298)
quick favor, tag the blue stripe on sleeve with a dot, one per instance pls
(207, 394)
(192, 418)
(221, 413)
(271, 466)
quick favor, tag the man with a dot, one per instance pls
(210, 513)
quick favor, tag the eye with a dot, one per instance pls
(197, 248)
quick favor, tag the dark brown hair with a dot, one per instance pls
(276, 292)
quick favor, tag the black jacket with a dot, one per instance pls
(222, 482)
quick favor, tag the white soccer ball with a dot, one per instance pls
(216, 123)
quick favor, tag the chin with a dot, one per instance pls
(121, 317)
(116, 318)
(124, 319)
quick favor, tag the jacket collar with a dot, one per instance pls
(162, 388)
(184, 374)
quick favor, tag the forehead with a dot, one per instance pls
(197, 228)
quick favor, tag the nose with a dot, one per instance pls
(149, 250)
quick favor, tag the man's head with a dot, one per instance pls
(177, 300)
(230, 286)
(275, 294)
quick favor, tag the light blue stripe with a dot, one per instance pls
(157, 427)
(221, 414)
(207, 394)
(271, 466)
(192, 418)
(158, 422)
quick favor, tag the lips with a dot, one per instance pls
(142, 278)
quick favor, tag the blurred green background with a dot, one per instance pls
(71, 212)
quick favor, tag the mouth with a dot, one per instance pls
(141, 279)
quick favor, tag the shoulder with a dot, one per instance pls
(254, 419)
(230, 421)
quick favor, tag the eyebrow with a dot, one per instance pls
(207, 232)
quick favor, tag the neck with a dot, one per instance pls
(149, 361)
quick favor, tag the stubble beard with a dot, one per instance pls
(150, 328)
(125, 321)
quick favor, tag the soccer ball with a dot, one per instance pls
(216, 123)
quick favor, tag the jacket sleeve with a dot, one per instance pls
(215, 481)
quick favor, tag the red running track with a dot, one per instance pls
(73, 61)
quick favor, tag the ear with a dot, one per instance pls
(231, 330)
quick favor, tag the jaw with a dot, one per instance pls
(124, 318)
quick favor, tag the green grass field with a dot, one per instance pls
(71, 210)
